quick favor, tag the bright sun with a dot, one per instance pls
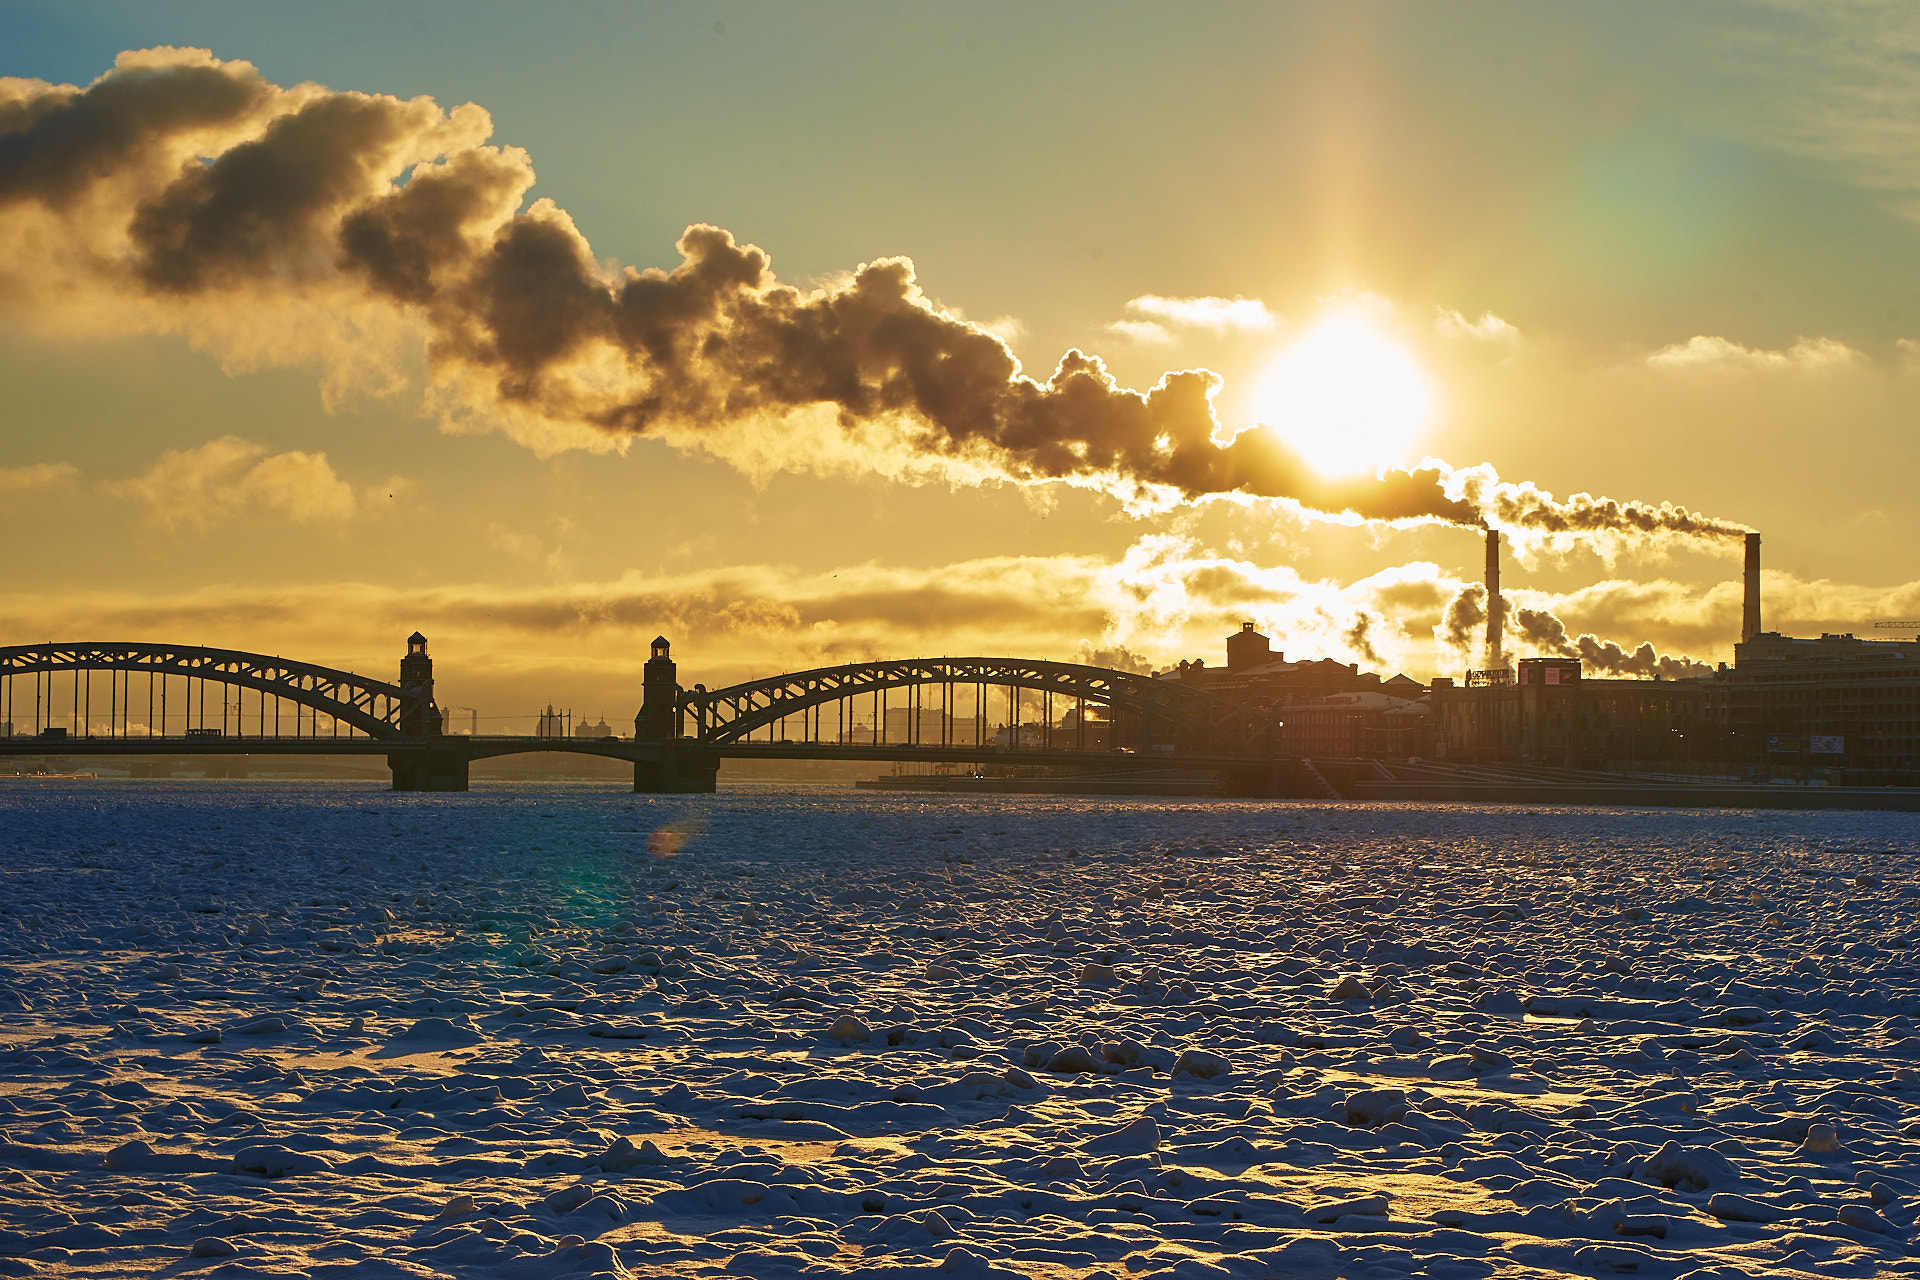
(1346, 399)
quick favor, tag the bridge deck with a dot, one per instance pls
(488, 746)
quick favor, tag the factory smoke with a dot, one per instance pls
(1465, 614)
(1547, 635)
(1359, 636)
(270, 225)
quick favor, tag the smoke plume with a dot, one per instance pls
(1118, 658)
(1540, 629)
(1508, 505)
(1464, 618)
(1608, 658)
(1359, 637)
(302, 225)
(1548, 635)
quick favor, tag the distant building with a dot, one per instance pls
(1354, 725)
(1837, 702)
(1846, 708)
(551, 724)
(1319, 707)
(1026, 737)
(601, 730)
(1248, 647)
(1085, 728)
(1549, 714)
(922, 726)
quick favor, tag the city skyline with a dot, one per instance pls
(1674, 274)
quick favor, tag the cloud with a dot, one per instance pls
(224, 477)
(1702, 352)
(1145, 332)
(1167, 598)
(1164, 600)
(1831, 84)
(1488, 328)
(1211, 315)
(382, 241)
(1009, 329)
(38, 475)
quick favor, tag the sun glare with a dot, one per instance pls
(1346, 399)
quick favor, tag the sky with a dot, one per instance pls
(1657, 254)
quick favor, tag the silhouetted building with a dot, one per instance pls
(1837, 702)
(1320, 707)
(1364, 725)
(1549, 714)
(1248, 647)
(601, 730)
(1260, 674)
(1841, 705)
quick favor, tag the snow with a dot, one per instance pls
(324, 1030)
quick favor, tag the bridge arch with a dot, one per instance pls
(373, 707)
(1187, 718)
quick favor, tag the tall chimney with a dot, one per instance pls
(1750, 607)
(1496, 608)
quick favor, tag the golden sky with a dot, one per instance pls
(302, 351)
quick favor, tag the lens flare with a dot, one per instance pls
(1346, 398)
(667, 840)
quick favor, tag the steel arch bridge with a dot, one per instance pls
(373, 707)
(1190, 718)
(1055, 714)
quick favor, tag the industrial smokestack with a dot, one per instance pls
(1750, 607)
(1496, 609)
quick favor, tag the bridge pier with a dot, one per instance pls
(679, 769)
(1281, 778)
(428, 770)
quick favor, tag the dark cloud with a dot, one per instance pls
(56, 142)
(204, 183)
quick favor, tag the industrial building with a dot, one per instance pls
(1835, 704)
(1366, 725)
(1549, 713)
(1836, 709)
(1319, 707)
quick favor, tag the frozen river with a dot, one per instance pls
(555, 1031)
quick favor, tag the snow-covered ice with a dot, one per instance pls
(251, 1030)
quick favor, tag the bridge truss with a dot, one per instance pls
(55, 686)
(1018, 703)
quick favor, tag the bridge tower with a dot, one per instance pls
(659, 695)
(675, 765)
(433, 768)
(419, 718)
